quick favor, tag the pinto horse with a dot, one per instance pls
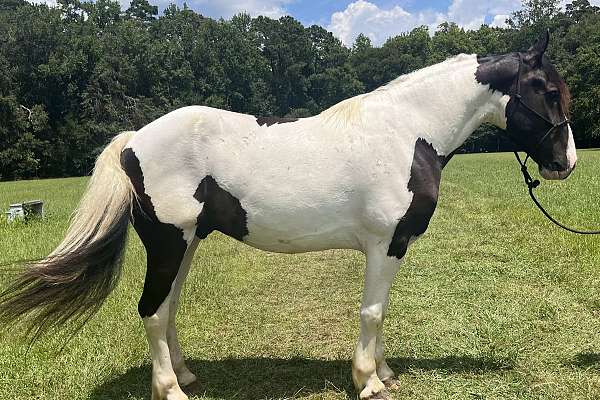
(362, 175)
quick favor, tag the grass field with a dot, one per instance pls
(493, 303)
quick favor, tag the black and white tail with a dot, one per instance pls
(75, 279)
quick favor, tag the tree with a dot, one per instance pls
(10, 5)
(141, 10)
(535, 17)
(579, 10)
(18, 127)
(73, 76)
(449, 40)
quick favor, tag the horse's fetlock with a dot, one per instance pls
(363, 371)
(167, 388)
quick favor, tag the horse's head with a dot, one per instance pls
(536, 114)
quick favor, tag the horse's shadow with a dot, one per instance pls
(260, 378)
(585, 360)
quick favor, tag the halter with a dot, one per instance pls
(529, 181)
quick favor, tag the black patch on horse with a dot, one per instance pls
(424, 183)
(274, 120)
(220, 211)
(164, 243)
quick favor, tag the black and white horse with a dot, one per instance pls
(362, 175)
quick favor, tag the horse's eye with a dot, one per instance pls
(538, 84)
(553, 95)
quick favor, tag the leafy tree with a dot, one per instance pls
(18, 128)
(535, 17)
(73, 76)
(449, 40)
(141, 10)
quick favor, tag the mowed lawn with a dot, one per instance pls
(492, 303)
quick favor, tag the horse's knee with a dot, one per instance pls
(372, 315)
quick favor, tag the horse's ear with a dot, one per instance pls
(536, 52)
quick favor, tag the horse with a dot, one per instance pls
(362, 175)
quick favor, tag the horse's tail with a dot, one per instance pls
(75, 279)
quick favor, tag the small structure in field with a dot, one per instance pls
(25, 211)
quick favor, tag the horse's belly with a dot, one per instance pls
(290, 234)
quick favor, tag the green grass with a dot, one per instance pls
(493, 303)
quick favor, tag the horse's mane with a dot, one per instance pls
(349, 110)
(346, 111)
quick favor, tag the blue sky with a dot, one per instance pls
(378, 19)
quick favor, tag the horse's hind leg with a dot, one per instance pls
(184, 376)
(169, 248)
(166, 252)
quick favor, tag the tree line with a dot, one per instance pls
(73, 76)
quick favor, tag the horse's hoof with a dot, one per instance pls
(374, 390)
(392, 383)
(381, 395)
(191, 389)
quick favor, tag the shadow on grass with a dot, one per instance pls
(586, 360)
(259, 378)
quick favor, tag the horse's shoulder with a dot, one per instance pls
(426, 169)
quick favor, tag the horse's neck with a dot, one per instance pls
(444, 103)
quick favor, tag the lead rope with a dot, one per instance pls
(534, 183)
(529, 181)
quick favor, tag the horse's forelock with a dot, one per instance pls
(565, 93)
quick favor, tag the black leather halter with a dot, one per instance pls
(529, 181)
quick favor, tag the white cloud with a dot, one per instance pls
(471, 14)
(500, 21)
(379, 24)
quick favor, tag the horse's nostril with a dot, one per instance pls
(556, 166)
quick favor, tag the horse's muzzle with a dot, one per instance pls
(554, 175)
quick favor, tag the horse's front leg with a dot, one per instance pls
(368, 361)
